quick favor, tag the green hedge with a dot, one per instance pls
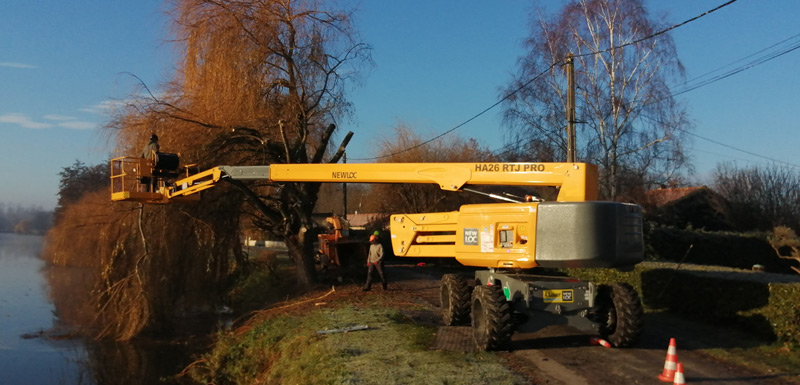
(748, 301)
(736, 250)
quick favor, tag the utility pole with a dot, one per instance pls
(571, 152)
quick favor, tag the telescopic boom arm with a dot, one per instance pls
(577, 181)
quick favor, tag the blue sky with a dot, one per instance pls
(438, 63)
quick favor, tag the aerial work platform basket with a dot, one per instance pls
(147, 180)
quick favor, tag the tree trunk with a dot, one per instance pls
(301, 250)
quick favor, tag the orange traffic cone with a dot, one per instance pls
(679, 379)
(599, 341)
(670, 364)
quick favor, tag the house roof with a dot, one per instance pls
(662, 196)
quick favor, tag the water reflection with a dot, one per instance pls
(137, 362)
(36, 348)
(24, 310)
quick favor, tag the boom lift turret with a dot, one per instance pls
(575, 230)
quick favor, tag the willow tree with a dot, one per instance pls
(629, 123)
(264, 82)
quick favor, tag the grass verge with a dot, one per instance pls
(282, 345)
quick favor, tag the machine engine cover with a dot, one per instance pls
(589, 234)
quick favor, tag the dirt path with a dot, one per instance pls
(563, 355)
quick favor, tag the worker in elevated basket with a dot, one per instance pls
(151, 149)
(374, 262)
(150, 152)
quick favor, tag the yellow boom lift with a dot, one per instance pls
(508, 238)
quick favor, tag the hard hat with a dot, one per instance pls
(373, 238)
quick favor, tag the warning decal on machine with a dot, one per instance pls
(487, 239)
(557, 296)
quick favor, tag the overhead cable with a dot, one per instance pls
(661, 32)
(758, 61)
(744, 151)
(504, 98)
(794, 44)
(559, 62)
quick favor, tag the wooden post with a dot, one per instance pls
(571, 148)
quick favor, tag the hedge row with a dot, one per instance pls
(736, 250)
(757, 303)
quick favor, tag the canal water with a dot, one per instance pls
(29, 353)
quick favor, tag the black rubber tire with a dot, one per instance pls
(454, 295)
(491, 318)
(619, 312)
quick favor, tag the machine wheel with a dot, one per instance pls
(619, 313)
(454, 295)
(491, 318)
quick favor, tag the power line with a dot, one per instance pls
(751, 64)
(504, 98)
(558, 62)
(742, 59)
(734, 158)
(663, 31)
(743, 151)
(758, 61)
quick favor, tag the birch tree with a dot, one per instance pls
(629, 124)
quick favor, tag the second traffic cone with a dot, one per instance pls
(679, 379)
(670, 364)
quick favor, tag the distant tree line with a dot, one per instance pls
(762, 197)
(77, 180)
(24, 220)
